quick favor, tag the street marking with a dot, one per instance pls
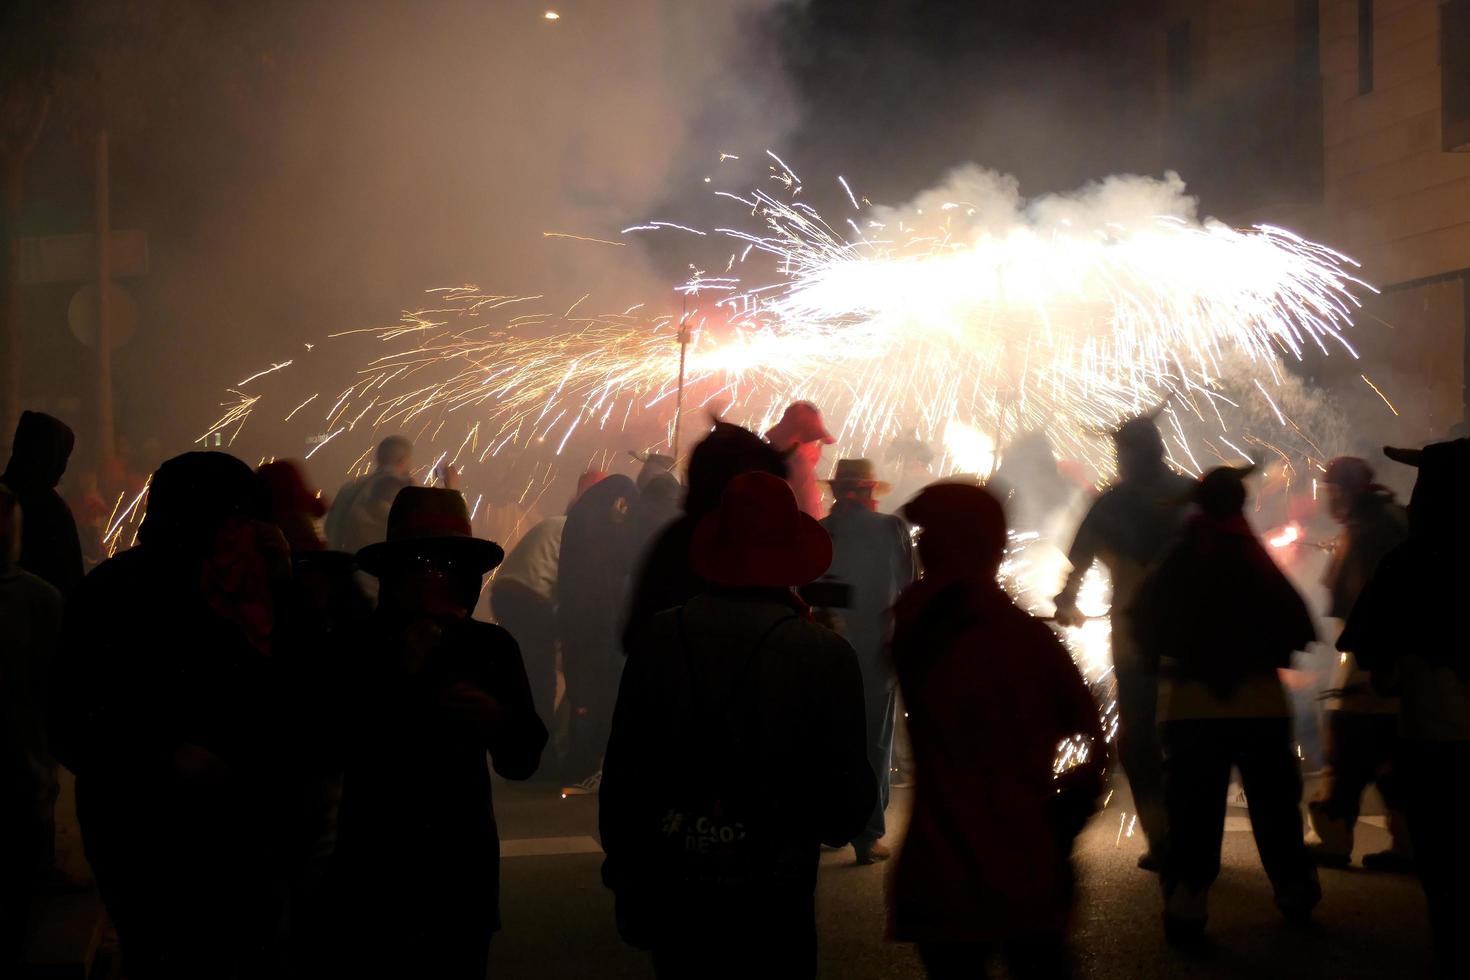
(548, 847)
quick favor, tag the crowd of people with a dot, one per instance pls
(282, 713)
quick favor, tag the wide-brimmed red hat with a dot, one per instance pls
(758, 538)
(432, 523)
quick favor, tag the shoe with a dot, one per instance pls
(587, 787)
(871, 853)
(1324, 857)
(1151, 861)
(1391, 862)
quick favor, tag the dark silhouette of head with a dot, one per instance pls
(193, 496)
(1220, 493)
(395, 454)
(1140, 447)
(962, 531)
(39, 453)
(431, 564)
(724, 454)
(1347, 478)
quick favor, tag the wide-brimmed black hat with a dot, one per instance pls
(430, 523)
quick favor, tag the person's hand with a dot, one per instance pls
(1067, 613)
(197, 764)
(447, 476)
(471, 706)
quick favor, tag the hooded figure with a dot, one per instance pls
(1127, 529)
(434, 692)
(191, 723)
(1404, 629)
(665, 578)
(658, 500)
(1218, 620)
(594, 566)
(990, 694)
(1361, 724)
(51, 547)
(801, 435)
(737, 750)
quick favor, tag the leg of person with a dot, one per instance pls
(880, 696)
(1438, 795)
(955, 961)
(1400, 854)
(1272, 780)
(1351, 764)
(1038, 958)
(1197, 762)
(1141, 756)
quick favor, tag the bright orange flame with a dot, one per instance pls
(1288, 535)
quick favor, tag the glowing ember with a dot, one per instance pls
(1286, 536)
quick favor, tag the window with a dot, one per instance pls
(1454, 74)
(1177, 62)
(1365, 46)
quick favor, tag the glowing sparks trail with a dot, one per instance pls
(940, 322)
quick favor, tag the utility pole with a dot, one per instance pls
(683, 353)
(106, 440)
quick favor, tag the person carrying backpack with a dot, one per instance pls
(737, 750)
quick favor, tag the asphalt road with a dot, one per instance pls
(558, 918)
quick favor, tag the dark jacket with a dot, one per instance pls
(417, 823)
(1219, 608)
(50, 546)
(874, 555)
(772, 721)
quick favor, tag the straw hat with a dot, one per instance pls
(858, 472)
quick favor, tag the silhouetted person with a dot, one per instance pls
(591, 593)
(324, 579)
(666, 579)
(359, 515)
(990, 693)
(1127, 529)
(1219, 620)
(38, 457)
(737, 750)
(418, 855)
(873, 556)
(800, 436)
(30, 622)
(1404, 629)
(1030, 485)
(1361, 723)
(659, 496)
(177, 707)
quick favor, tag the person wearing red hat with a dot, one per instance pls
(990, 694)
(802, 435)
(737, 749)
(418, 856)
(1361, 724)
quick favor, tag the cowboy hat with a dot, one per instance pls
(758, 538)
(858, 472)
(430, 522)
